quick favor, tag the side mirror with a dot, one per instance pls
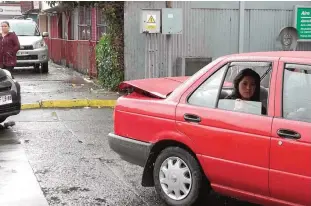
(45, 34)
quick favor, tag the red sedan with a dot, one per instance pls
(240, 126)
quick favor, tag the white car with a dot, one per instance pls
(33, 50)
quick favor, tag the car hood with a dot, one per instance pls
(28, 40)
(159, 87)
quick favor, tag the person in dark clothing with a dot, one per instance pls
(9, 45)
(247, 87)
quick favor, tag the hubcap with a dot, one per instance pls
(175, 178)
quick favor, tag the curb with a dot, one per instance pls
(74, 103)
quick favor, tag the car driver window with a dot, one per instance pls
(296, 92)
(206, 94)
(246, 88)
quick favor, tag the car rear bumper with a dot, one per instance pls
(13, 108)
(10, 109)
(133, 151)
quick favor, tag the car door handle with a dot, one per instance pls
(192, 118)
(286, 133)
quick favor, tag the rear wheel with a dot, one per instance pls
(178, 177)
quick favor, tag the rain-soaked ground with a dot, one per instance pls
(59, 83)
(70, 156)
(69, 152)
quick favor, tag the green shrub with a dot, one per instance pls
(110, 72)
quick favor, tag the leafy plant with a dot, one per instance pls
(109, 73)
(110, 49)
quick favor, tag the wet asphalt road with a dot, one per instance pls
(70, 156)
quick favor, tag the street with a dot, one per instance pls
(204, 102)
(69, 154)
(71, 159)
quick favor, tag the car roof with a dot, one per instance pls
(292, 54)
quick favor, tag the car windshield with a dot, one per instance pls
(27, 28)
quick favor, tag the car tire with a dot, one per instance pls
(188, 171)
(37, 68)
(45, 67)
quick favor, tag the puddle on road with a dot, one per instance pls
(64, 190)
(101, 200)
(76, 80)
(54, 115)
(42, 171)
(74, 189)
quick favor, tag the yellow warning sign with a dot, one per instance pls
(151, 27)
(151, 19)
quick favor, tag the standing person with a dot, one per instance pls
(9, 45)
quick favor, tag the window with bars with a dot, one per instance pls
(84, 25)
(72, 25)
(102, 25)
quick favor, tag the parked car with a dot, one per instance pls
(187, 138)
(10, 95)
(33, 50)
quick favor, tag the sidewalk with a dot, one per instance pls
(18, 185)
(61, 87)
(61, 84)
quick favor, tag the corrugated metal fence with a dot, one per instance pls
(210, 29)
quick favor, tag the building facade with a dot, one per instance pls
(31, 9)
(10, 10)
(73, 36)
(209, 30)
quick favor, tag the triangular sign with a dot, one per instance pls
(151, 20)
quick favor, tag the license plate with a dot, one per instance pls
(23, 53)
(7, 99)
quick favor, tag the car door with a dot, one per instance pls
(290, 159)
(235, 146)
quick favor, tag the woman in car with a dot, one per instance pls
(247, 87)
(9, 45)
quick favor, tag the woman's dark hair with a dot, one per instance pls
(246, 73)
(6, 22)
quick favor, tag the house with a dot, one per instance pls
(10, 10)
(30, 9)
(210, 29)
(73, 35)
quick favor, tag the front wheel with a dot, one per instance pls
(45, 67)
(177, 177)
(37, 68)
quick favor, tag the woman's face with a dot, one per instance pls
(247, 87)
(5, 28)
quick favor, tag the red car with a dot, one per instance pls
(190, 138)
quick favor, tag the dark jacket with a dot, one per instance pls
(9, 45)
